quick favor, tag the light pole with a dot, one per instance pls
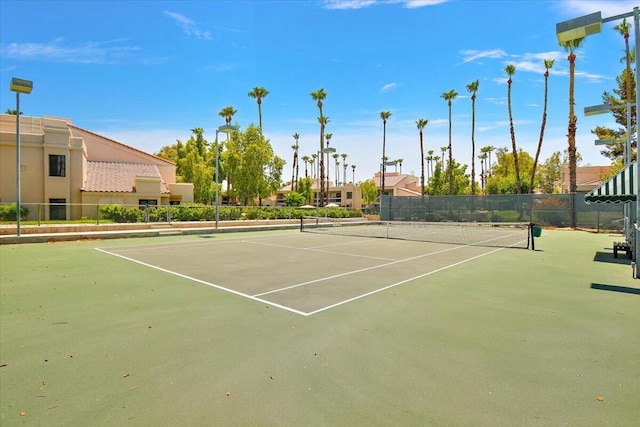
(327, 151)
(590, 24)
(223, 129)
(19, 86)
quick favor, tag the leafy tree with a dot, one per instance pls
(384, 115)
(550, 174)
(12, 112)
(256, 170)
(625, 94)
(304, 188)
(294, 199)
(548, 63)
(258, 93)
(449, 97)
(510, 70)
(503, 177)
(473, 89)
(439, 184)
(369, 191)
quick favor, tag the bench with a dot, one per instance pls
(621, 246)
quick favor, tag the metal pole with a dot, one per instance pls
(216, 183)
(636, 19)
(18, 201)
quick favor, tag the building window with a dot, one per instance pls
(57, 165)
(349, 195)
(57, 209)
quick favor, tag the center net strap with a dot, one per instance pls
(496, 234)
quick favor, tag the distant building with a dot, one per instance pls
(587, 177)
(349, 195)
(67, 171)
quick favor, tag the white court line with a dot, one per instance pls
(313, 249)
(222, 288)
(357, 271)
(400, 283)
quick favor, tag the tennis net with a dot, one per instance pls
(494, 234)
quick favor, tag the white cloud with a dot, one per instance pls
(388, 87)
(413, 4)
(188, 26)
(107, 52)
(348, 4)
(608, 8)
(474, 55)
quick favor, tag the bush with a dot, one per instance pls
(9, 212)
(122, 214)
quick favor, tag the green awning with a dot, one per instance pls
(620, 188)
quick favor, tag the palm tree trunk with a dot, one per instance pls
(544, 123)
(421, 166)
(513, 143)
(384, 168)
(473, 145)
(450, 166)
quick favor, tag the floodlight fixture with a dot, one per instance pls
(226, 128)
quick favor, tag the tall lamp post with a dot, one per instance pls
(223, 129)
(19, 86)
(320, 153)
(590, 24)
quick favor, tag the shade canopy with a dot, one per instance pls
(620, 188)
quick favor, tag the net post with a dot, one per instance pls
(533, 241)
(301, 222)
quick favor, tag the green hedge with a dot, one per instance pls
(9, 212)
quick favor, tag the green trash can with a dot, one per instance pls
(537, 231)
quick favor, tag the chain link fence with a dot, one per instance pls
(553, 210)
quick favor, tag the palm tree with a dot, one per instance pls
(473, 88)
(258, 93)
(294, 147)
(483, 175)
(571, 46)
(296, 161)
(486, 158)
(444, 150)
(511, 70)
(548, 63)
(344, 171)
(449, 97)
(429, 165)
(318, 96)
(384, 115)
(306, 160)
(353, 170)
(227, 113)
(421, 123)
(399, 162)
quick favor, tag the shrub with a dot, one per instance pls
(9, 212)
(122, 214)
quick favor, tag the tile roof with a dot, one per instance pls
(117, 177)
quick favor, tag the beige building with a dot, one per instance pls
(587, 177)
(66, 172)
(350, 196)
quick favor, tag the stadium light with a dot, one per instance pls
(603, 141)
(590, 24)
(224, 129)
(19, 86)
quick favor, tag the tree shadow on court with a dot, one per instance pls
(615, 288)
(608, 257)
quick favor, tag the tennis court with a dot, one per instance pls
(281, 328)
(307, 273)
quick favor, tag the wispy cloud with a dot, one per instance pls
(475, 55)
(388, 87)
(361, 4)
(607, 7)
(107, 52)
(188, 26)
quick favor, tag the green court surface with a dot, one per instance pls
(283, 328)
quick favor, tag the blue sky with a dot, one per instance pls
(146, 72)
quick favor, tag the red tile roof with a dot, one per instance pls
(116, 177)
